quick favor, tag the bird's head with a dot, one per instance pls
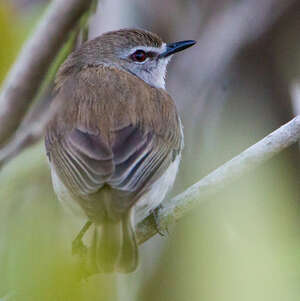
(139, 52)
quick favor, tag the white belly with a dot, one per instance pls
(63, 194)
(147, 203)
(157, 192)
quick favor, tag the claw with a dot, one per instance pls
(160, 231)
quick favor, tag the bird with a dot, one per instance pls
(114, 146)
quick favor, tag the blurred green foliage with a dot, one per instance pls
(35, 238)
(11, 38)
(14, 30)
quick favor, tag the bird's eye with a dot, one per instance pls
(139, 56)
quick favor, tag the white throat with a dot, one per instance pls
(157, 76)
(153, 72)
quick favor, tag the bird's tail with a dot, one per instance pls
(114, 247)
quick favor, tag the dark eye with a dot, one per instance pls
(139, 56)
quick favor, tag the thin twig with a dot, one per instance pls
(28, 73)
(174, 209)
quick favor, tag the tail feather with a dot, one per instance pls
(107, 240)
(128, 260)
(114, 247)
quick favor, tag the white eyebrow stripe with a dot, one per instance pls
(160, 49)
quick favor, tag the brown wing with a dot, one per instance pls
(125, 142)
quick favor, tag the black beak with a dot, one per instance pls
(176, 47)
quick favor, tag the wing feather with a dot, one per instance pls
(126, 171)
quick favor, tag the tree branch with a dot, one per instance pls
(27, 136)
(174, 209)
(29, 71)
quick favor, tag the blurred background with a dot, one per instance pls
(239, 83)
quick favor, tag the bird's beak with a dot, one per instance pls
(172, 48)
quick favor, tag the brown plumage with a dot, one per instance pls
(110, 130)
(113, 138)
(104, 48)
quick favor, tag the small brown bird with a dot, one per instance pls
(114, 146)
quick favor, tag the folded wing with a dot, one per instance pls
(133, 161)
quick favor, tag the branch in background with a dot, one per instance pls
(220, 40)
(33, 125)
(29, 71)
(27, 136)
(42, 105)
(174, 209)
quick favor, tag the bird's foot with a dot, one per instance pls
(88, 268)
(161, 231)
(78, 247)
